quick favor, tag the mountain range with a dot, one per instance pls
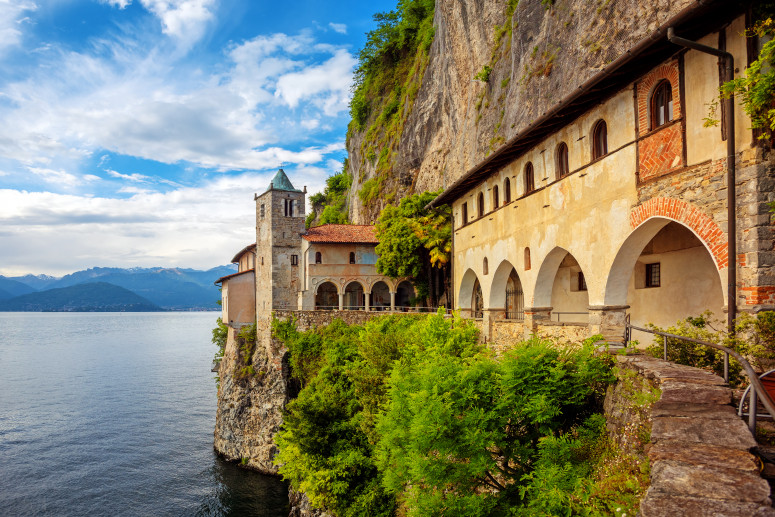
(156, 289)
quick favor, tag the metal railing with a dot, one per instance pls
(757, 391)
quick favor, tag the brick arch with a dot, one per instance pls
(690, 216)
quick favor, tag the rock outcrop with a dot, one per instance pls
(457, 121)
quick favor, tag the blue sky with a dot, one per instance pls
(135, 132)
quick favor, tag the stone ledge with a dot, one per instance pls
(701, 464)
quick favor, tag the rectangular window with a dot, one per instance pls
(262, 210)
(294, 260)
(582, 282)
(288, 207)
(653, 275)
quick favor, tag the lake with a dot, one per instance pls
(113, 414)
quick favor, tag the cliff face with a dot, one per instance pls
(537, 56)
(250, 407)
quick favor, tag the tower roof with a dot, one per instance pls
(281, 182)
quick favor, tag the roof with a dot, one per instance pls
(693, 22)
(344, 233)
(220, 280)
(244, 250)
(281, 182)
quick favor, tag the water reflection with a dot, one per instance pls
(241, 492)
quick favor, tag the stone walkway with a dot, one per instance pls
(700, 452)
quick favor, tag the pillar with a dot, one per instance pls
(341, 301)
(608, 320)
(534, 316)
(392, 301)
(367, 300)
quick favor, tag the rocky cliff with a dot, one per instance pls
(493, 68)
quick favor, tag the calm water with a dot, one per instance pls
(113, 414)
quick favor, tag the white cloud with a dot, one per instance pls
(58, 177)
(140, 103)
(192, 226)
(341, 28)
(121, 4)
(182, 19)
(328, 83)
(11, 18)
(139, 178)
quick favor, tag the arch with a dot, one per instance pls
(480, 203)
(561, 160)
(467, 289)
(495, 200)
(661, 104)
(327, 296)
(599, 139)
(690, 216)
(500, 280)
(542, 295)
(617, 282)
(380, 295)
(506, 191)
(404, 294)
(530, 184)
(561, 286)
(354, 297)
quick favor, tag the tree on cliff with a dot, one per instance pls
(417, 243)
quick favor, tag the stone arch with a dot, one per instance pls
(498, 285)
(380, 294)
(646, 226)
(328, 281)
(354, 294)
(327, 295)
(542, 294)
(467, 289)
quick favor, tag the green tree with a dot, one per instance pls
(460, 435)
(330, 206)
(756, 88)
(417, 243)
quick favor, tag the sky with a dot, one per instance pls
(134, 133)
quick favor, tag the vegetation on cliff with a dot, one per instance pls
(412, 416)
(330, 206)
(417, 243)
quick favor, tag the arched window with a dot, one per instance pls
(507, 191)
(561, 158)
(464, 214)
(318, 258)
(352, 257)
(527, 259)
(530, 184)
(481, 204)
(661, 104)
(485, 268)
(495, 200)
(599, 139)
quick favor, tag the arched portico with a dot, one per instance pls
(380, 296)
(354, 297)
(506, 292)
(663, 272)
(327, 296)
(404, 294)
(561, 288)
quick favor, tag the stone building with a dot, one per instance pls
(238, 290)
(330, 267)
(613, 205)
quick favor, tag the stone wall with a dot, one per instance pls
(699, 449)
(563, 332)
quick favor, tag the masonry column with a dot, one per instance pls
(392, 301)
(534, 316)
(608, 320)
(367, 300)
(341, 301)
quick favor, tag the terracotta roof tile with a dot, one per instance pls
(243, 251)
(352, 233)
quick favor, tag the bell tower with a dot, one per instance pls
(279, 224)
